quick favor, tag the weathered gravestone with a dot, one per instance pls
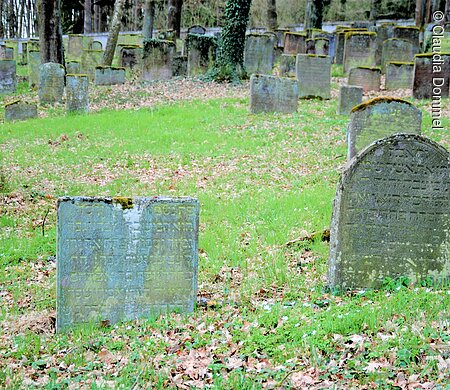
(399, 75)
(391, 215)
(431, 75)
(259, 53)
(7, 76)
(397, 50)
(19, 111)
(321, 46)
(287, 65)
(75, 46)
(6, 53)
(96, 45)
(349, 97)
(130, 56)
(109, 75)
(368, 78)
(273, 94)
(90, 59)
(340, 42)
(34, 63)
(379, 118)
(384, 32)
(51, 82)
(14, 46)
(314, 76)
(125, 258)
(280, 32)
(196, 29)
(359, 49)
(77, 93)
(73, 67)
(179, 66)
(201, 50)
(295, 43)
(24, 54)
(410, 33)
(157, 60)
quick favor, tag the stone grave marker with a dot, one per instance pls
(197, 29)
(90, 59)
(34, 63)
(179, 66)
(287, 65)
(310, 46)
(295, 43)
(73, 67)
(77, 93)
(24, 54)
(201, 52)
(8, 81)
(384, 32)
(51, 82)
(397, 50)
(429, 80)
(19, 111)
(279, 32)
(359, 50)
(379, 118)
(109, 75)
(96, 45)
(6, 53)
(157, 62)
(259, 53)
(410, 33)
(130, 56)
(75, 46)
(368, 78)
(340, 43)
(322, 46)
(120, 259)
(314, 76)
(273, 94)
(349, 97)
(399, 75)
(391, 215)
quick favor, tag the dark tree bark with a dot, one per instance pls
(272, 21)
(12, 20)
(149, 19)
(374, 9)
(87, 16)
(174, 16)
(342, 9)
(447, 11)
(50, 31)
(314, 13)
(113, 35)
(2, 28)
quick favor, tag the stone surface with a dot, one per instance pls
(321, 46)
(109, 75)
(197, 29)
(397, 50)
(73, 67)
(96, 45)
(6, 53)
(201, 52)
(259, 53)
(90, 59)
(295, 43)
(314, 76)
(179, 66)
(77, 93)
(75, 46)
(287, 65)
(349, 97)
(384, 31)
(157, 60)
(379, 118)
(391, 215)
(399, 75)
(125, 258)
(367, 78)
(410, 33)
(8, 81)
(130, 56)
(34, 63)
(429, 82)
(51, 82)
(359, 50)
(273, 94)
(19, 111)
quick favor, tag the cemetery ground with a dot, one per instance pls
(264, 316)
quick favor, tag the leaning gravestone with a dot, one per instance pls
(391, 215)
(397, 50)
(359, 49)
(51, 82)
(431, 75)
(314, 76)
(7, 76)
(349, 97)
(125, 258)
(379, 118)
(259, 53)
(77, 93)
(399, 75)
(19, 111)
(109, 75)
(273, 94)
(157, 62)
(368, 78)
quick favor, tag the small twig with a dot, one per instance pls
(43, 222)
(324, 234)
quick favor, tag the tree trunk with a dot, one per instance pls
(2, 28)
(374, 9)
(12, 20)
(174, 16)
(113, 35)
(149, 18)
(314, 14)
(342, 10)
(447, 11)
(87, 16)
(50, 31)
(272, 22)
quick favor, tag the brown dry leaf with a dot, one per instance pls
(234, 362)
(300, 380)
(106, 356)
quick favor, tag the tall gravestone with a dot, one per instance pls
(367, 78)
(399, 75)
(259, 53)
(397, 50)
(90, 59)
(295, 43)
(431, 75)
(349, 97)
(75, 46)
(384, 32)
(391, 215)
(157, 62)
(77, 93)
(359, 49)
(34, 63)
(201, 50)
(125, 258)
(314, 76)
(51, 82)
(273, 94)
(8, 81)
(379, 118)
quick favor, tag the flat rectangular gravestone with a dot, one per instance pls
(314, 76)
(125, 258)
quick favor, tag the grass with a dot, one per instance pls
(269, 320)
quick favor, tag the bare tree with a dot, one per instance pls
(114, 30)
(272, 22)
(87, 16)
(174, 16)
(149, 19)
(50, 31)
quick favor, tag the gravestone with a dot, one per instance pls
(287, 65)
(77, 93)
(431, 75)
(6, 53)
(295, 43)
(32, 45)
(399, 75)
(410, 33)
(379, 118)
(314, 76)
(201, 51)
(96, 45)
(179, 66)
(75, 46)
(197, 29)
(90, 59)
(19, 111)
(384, 32)
(34, 63)
(397, 50)
(273, 94)
(14, 46)
(259, 53)
(321, 46)
(340, 43)
(120, 259)
(367, 78)
(109, 75)
(157, 60)
(24, 55)
(391, 215)
(310, 46)
(51, 82)
(359, 49)
(130, 56)
(280, 32)
(73, 67)
(349, 97)
(8, 81)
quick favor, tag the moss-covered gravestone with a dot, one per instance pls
(34, 63)
(157, 60)
(201, 51)
(410, 33)
(6, 53)
(399, 75)
(19, 111)
(8, 81)
(397, 50)
(130, 56)
(314, 76)
(367, 78)
(196, 29)
(96, 45)
(73, 67)
(125, 258)
(349, 97)
(359, 49)
(287, 65)
(431, 75)
(109, 75)
(379, 118)
(90, 59)
(295, 43)
(321, 46)
(51, 82)
(77, 93)
(75, 46)
(179, 66)
(384, 31)
(273, 94)
(391, 215)
(259, 53)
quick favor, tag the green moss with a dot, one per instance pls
(109, 67)
(399, 63)
(78, 62)
(300, 34)
(157, 43)
(359, 33)
(381, 99)
(125, 202)
(407, 28)
(76, 75)
(13, 102)
(130, 46)
(377, 68)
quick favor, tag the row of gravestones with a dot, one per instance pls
(127, 258)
